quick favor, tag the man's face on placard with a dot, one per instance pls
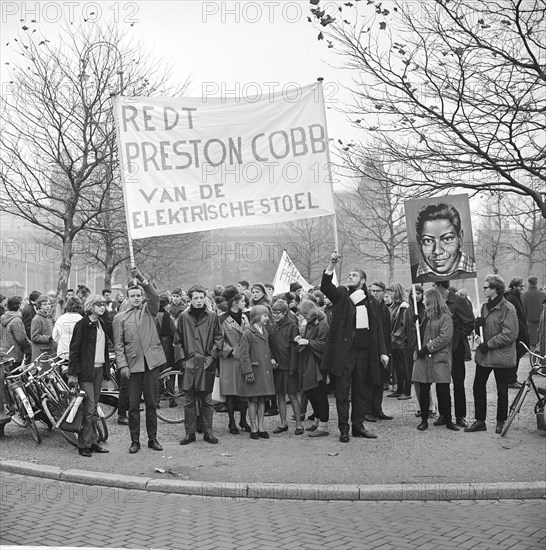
(441, 245)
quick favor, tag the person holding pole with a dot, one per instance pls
(139, 354)
(355, 347)
(463, 324)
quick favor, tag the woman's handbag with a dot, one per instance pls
(216, 395)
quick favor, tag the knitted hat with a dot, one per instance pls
(295, 286)
(261, 287)
(229, 293)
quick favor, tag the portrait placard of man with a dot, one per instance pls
(440, 239)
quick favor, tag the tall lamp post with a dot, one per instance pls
(110, 167)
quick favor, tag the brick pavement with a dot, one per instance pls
(45, 512)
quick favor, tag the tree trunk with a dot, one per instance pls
(66, 265)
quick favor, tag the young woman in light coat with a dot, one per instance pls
(433, 361)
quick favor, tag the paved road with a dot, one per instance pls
(40, 511)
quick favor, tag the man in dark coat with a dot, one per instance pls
(199, 334)
(463, 325)
(374, 409)
(29, 311)
(355, 347)
(513, 295)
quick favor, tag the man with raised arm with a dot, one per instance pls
(139, 353)
(355, 347)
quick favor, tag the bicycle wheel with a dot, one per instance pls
(52, 410)
(515, 408)
(31, 423)
(170, 408)
(109, 402)
(71, 437)
(102, 430)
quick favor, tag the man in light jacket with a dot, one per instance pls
(139, 354)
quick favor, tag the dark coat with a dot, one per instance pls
(500, 332)
(463, 318)
(283, 347)
(166, 330)
(81, 357)
(41, 330)
(201, 342)
(310, 355)
(255, 357)
(342, 331)
(435, 368)
(386, 325)
(523, 335)
(27, 314)
(13, 336)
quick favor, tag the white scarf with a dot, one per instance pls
(361, 310)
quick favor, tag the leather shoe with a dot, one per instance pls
(135, 447)
(209, 438)
(404, 397)
(190, 438)
(395, 394)
(363, 432)
(123, 420)
(244, 425)
(280, 429)
(154, 445)
(98, 449)
(478, 426)
(500, 426)
(344, 437)
(383, 416)
(311, 428)
(254, 435)
(233, 428)
(271, 412)
(461, 421)
(263, 435)
(439, 422)
(369, 418)
(452, 426)
(423, 426)
(299, 431)
(84, 452)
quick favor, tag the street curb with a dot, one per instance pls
(289, 491)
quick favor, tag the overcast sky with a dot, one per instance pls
(240, 47)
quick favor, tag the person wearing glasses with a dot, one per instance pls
(88, 366)
(496, 353)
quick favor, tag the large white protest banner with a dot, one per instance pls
(194, 164)
(288, 273)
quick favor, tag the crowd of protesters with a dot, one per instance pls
(266, 351)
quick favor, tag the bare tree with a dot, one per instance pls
(310, 243)
(453, 89)
(492, 235)
(371, 211)
(58, 142)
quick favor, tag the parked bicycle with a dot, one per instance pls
(538, 368)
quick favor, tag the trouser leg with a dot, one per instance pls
(360, 387)
(134, 389)
(444, 401)
(480, 392)
(458, 374)
(424, 398)
(190, 412)
(207, 411)
(150, 389)
(501, 377)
